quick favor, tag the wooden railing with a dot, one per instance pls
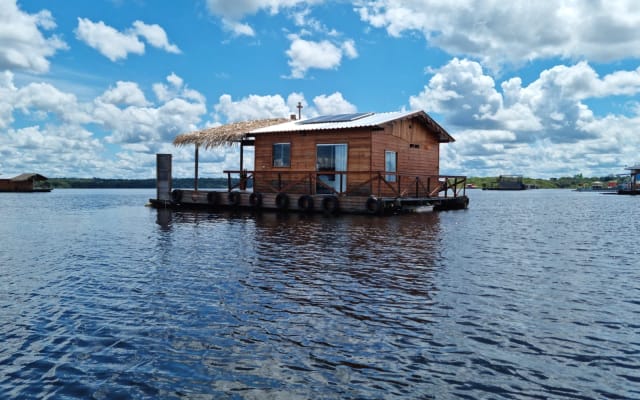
(349, 183)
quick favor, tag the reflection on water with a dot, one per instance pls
(524, 295)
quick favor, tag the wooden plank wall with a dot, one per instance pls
(417, 148)
(303, 150)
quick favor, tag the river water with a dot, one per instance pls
(532, 294)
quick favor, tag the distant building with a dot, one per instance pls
(25, 183)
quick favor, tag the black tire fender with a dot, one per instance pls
(330, 204)
(234, 198)
(212, 198)
(373, 205)
(305, 203)
(176, 195)
(255, 199)
(282, 201)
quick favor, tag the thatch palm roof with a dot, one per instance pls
(224, 134)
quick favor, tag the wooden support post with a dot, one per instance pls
(163, 177)
(242, 155)
(195, 180)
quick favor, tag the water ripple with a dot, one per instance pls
(524, 295)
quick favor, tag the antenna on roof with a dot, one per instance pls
(299, 107)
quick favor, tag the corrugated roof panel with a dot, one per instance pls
(374, 119)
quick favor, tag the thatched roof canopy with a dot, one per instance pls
(224, 134)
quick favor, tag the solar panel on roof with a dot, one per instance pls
(336, 118)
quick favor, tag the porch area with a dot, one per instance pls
(329, 192)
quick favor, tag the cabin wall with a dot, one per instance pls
(417, 148)
(303, 156)
(7, 185)
(418, 155)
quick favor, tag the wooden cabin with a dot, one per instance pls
(508, 182)
(360, 162)
(28, 182)
(350, 153)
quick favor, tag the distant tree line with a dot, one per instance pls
(211, 183)
(100, 183)
(551, 183)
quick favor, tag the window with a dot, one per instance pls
(390, 162)
(282, 154)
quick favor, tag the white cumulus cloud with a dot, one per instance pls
(275, 106)
(22, 43)
(107, 40)
(116, 45)
(333, 104)
(155, 36)
(498, 32)
(236, 10)
(251, 107)
(305, 54)
(540, 129)
(125, 93)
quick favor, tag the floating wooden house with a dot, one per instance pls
(354, 163)
(25, 183)
(633, 186)
(507, 182)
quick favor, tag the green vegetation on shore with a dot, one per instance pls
(552, 183)
(99, 183)
(209, 183)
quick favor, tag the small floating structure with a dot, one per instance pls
(633, 187)
(507, 182)
(375, 163)
(600, 187)
(28, 182)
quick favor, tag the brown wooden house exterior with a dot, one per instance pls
(25, 183)
(353, 163)
(385, 154)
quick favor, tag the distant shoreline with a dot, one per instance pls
(211, 183)
(100, 183)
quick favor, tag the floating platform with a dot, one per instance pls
(317, 203)
(631, 192)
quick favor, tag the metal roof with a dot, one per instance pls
(372, 120)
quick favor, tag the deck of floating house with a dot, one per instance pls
(348, 163)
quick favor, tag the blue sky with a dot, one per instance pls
(96, 89)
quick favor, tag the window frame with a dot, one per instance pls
(278, 160)
(390, 174)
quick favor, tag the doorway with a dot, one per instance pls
(331, 158)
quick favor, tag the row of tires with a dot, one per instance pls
(329, 204)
